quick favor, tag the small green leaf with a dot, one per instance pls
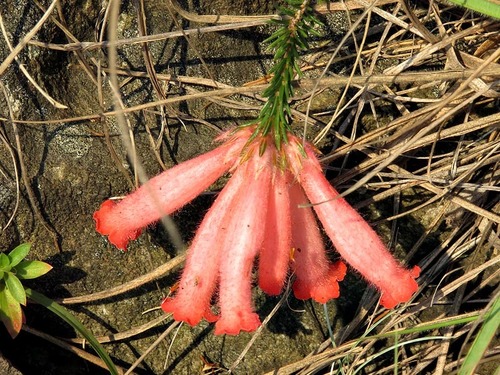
(10, 312)
(19, 253)
(31, 269)
(15, 287)
(489, 7)
(483, 339)
(4, 262)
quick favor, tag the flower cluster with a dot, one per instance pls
(265, 211)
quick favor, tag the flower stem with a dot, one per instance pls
(296, 24)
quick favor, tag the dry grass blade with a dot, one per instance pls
(26, 39)
(321, 8)
(23, 69)
(89, 46)
(304, 84)
(157, 342)
(260, 330)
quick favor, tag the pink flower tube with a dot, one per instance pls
(316, 277)
(201, 273)
(165, 193)
(263, 212)
(354, 239)
(274, 254)
(245, 234)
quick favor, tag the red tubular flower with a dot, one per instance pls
(245, 234)
(316, 278)
(199, 279)
(354, 239)
(165, 193)
(274, 255)
(263, 210)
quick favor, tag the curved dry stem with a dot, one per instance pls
(120, 336)
(163, 270)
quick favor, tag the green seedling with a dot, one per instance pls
(14, 268)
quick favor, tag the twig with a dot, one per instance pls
(123, 288)
(13, 54)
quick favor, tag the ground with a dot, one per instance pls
(58, 165)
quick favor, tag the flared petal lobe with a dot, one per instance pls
(354, 239)
(316, 277)
(245, 234)
(274, 255)
(201, 273)
(104, 225)
(164, 193)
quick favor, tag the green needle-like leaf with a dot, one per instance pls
(19, 253)
(294, 28)
(31, 269)
(15, 287)
(69, 318)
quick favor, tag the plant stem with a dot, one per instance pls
(296, 24)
